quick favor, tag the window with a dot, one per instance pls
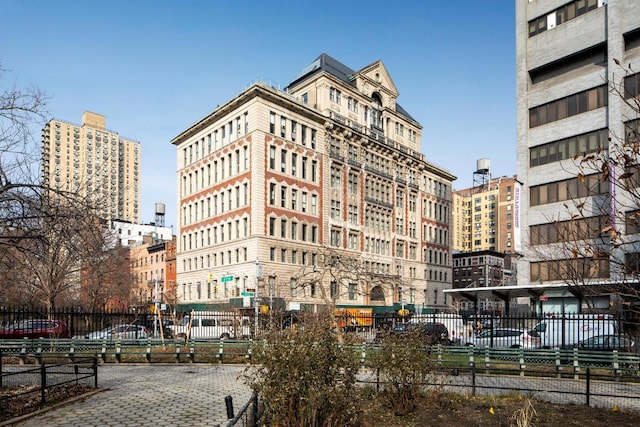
(578, 103)
(272, 157)
(336, 239)
(283, 197)
(353, 183)
(352, 291)
(352, 241)
(283, 161)
(272, 122)
(335, 95)
(568, 148)
(352, 104)
(335, 209)
(335, 178)
(294, 163)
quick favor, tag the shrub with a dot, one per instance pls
(404, 364)
(305, 377)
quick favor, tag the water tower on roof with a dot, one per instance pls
(482, 175)
(160, 210)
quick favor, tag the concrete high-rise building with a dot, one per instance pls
(93, 161)
(566, 62)
(484, 217)
(278, 187)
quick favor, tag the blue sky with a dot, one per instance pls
(155, 67)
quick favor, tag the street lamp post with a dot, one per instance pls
(156, 307)
(255, 295)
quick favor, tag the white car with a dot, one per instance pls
(120, 332)
(506, 338)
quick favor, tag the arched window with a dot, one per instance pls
(376, 111)
(377, 294)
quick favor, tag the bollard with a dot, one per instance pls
(228, 401)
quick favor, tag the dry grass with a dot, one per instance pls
(448, 410)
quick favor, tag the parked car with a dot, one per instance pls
(431, 332)
(607, 343)
(36, 328)
(565, 331)
(212, 325)
(120, 331)
(506, 338)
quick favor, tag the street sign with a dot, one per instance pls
(227, 278)
(247, 294)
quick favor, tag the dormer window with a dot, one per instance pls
(376, 111)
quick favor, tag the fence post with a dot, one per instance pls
(228, 401)
(43, 381)
(95, 371)
(473, 381)
(588, 385)
(253, 413)
(221, 351)
(615, 363)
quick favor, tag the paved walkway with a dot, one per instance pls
(154, 395)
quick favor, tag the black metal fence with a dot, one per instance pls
(590, 387)
(49, 373)
(548, 330)
(247, 416)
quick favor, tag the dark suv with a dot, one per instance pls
(431, 332)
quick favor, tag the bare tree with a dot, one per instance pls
(45, 234)
(339, 275)
(107, 280)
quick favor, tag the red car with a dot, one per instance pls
(36, 328)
